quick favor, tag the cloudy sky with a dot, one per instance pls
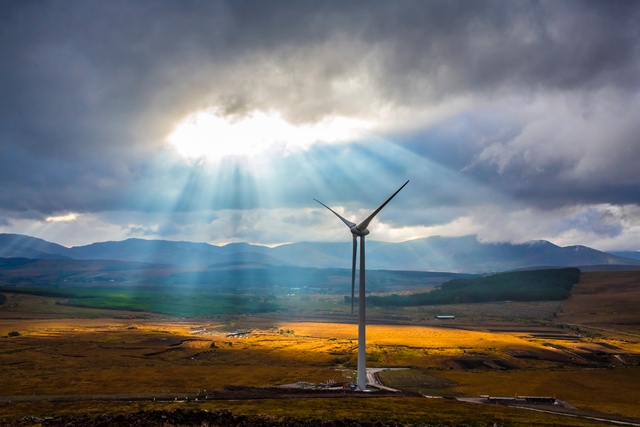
(221, 121)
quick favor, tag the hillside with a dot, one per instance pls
(455, 254)
(234, 278)
(605, 301)
(20, 246)
(530, 285)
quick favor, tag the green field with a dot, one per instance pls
(179, 302)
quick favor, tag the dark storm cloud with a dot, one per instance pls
(90, 58)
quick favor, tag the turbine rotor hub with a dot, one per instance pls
(357, 232)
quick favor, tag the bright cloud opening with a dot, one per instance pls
(211, 136)
(62, 218)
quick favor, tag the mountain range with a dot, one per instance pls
(453, 254)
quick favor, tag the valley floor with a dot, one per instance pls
(585, 355)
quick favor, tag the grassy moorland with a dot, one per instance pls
(605, 303)
(110, 357)
(415, 411)
(68, 353)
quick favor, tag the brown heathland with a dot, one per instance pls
(605, 300)
(586, 356)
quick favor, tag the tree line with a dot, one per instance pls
(530, 285)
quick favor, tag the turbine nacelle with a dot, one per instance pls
(357, 232)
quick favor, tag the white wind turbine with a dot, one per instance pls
(360, 230)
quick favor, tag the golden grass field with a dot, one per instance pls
(128, 356)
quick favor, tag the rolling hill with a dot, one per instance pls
(454, 254)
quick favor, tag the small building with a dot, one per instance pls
(538, 399)
(520, 399)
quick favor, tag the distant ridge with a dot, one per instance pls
(455, 254)
(21, 246)
(627, 254)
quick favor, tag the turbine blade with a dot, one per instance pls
(364, 224)
(348, 223)
(353, 270)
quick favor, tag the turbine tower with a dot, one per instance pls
(360, 230)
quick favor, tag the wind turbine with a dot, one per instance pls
(360, 230)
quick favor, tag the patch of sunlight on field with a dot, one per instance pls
(612, 391)
(414, 336)
(95, 357)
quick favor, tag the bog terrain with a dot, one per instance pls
(88, 352)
